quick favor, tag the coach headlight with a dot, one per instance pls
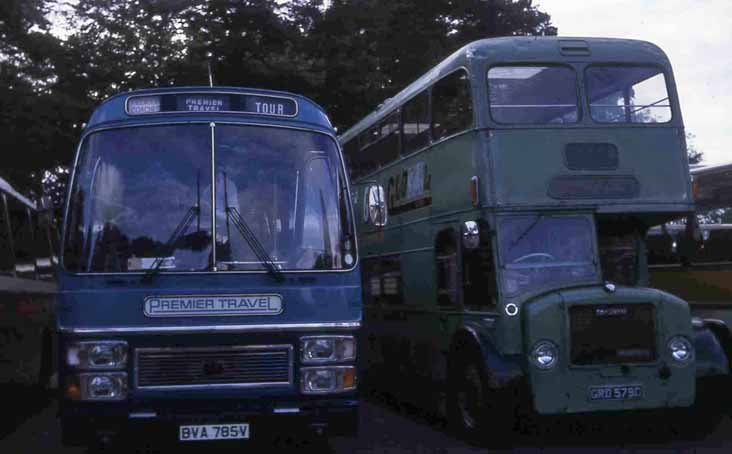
(92, 355)
(97, 386)
(327, 349)
(326, 380)
(681, 350)
(545, 355)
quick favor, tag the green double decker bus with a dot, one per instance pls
(503, 203)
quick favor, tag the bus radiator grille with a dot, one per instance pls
(245, 366)
(612, 334)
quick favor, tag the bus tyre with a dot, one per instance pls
(475, 411)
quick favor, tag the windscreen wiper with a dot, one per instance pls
(528, 230)
(154, 269)
(254, 243)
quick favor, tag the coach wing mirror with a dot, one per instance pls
(375, 211)
(471, 235)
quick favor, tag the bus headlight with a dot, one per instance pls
(327, 349)
(97, 355)
(103, 386)
(680, 349)
(545, 355)
(325, 380)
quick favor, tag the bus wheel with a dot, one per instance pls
(473, 411)
(470, 399)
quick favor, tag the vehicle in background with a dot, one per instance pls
(503, 201)
(209, 279)
(692, 257)
(27, 290)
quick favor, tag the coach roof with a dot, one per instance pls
(521, 49)
(113, 109)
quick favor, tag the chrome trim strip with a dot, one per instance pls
(143, 415)
(212, 126)
(203, 122)
(231, 348)
(213, 93)
(286, 410)
(210, 329)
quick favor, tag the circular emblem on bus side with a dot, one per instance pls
(511, 309)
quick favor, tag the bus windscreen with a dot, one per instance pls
(136, 186)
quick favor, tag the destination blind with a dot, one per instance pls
(212, 102)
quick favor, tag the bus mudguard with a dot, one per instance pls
(503, 370)
(712, 345)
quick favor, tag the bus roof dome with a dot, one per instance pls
(202, 102)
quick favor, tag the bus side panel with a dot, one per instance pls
(428, 195)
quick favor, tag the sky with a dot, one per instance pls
(697, 37)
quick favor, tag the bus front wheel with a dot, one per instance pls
(479, 414)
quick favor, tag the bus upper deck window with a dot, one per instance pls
(416, 123)
(532, 95)
(628, 94)
(452, 108)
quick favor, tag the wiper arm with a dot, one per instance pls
(254, 243)
(154, 269)
(528, 230)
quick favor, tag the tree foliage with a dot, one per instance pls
(348, 55)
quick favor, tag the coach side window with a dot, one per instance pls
(7, 260)
(416, 123)
(452, 108)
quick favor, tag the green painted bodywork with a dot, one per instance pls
(414, 334)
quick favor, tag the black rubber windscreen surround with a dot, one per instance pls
(612, 334)
(591, 156)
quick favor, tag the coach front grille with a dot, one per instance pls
(612, 334)
(246, 366)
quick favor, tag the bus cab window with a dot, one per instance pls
(452, 108)
(416, 123)
(446, 257)
(480, 288)
(619, 257)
